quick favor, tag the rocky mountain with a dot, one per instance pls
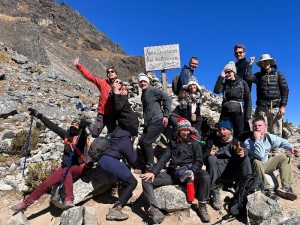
(54, 34)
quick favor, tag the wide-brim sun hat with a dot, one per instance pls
(265, 57)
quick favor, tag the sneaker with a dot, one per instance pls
(20, 207)
(156, 215)
(68, 204)
(202, 212)
(216, 199)
(116, 214)
(270, 195)
(287, 193)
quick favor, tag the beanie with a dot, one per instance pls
(230, 66)
(183, 124)
(225, 124)
(143, 77)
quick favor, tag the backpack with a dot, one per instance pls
(246, 186)
(98, 147)
(174, 84)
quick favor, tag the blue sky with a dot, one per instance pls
(207, 29)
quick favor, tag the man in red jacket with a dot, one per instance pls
(105, 115)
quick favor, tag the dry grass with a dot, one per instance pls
(105, 53)
(88, 100)
(11, 18)
(38, 69)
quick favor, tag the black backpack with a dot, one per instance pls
(246, 186)
(174, 84)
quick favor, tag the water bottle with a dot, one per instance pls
(187, 174)
(190, 191)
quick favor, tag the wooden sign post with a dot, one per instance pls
(162, 57)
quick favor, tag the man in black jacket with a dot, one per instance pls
(226, 160)
(185, 154)
(272, 93)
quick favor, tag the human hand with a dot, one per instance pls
(214, 150)
(239, 150)
(223, 73)
(76, 61)
(147, 176)
(34, 112)
(294, 150)
(165, 121)
(281, 111)
(252, 59)
(257, 135)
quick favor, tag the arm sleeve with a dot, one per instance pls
(278, 142)
(249, 76)
(247, 100)
(119, 101)
(198, 163)
(255, 148)
(284, 89)
(87, 74)
(54, 127)
(218, 86)
(162, 161)
(166, 102)
(184, 76)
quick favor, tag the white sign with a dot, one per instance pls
(162, 57)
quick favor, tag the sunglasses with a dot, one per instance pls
(228, 71)
(110, 71)
(118, 82)
(265, 62)
(238, 53)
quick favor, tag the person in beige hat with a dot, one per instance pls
(272, 92)
(236, 104)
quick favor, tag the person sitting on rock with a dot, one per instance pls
(184, 154)
(226, 159)
(116, 160)
(259, 145)
(75, 166)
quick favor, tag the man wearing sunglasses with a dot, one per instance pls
(241, 64)
(105, 106)
(272, 93)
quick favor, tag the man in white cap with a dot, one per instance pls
(156, 110)
(272, 93)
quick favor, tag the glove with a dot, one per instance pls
(83, 124)
(34, 112)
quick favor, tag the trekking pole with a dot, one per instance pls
(57, 194)
(27, 145)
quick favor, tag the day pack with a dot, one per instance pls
(246, 186)
(174, 84)
(97, 148)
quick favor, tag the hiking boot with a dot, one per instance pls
(156, 215)
(202, 212)
(20, 207)
(216, 199)
(287, 193)
(116, 214)
(270, 195)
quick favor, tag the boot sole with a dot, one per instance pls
(116, 218)
(287, 195)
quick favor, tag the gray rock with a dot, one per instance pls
(4, 146)
(18, 58)
(8, 134)
(171, 198)
(89, 216)
(18, 219)
(261, 209)
(72, 216)
(8, 106)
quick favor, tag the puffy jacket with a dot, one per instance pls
(121, 146)
(185, 74)
(180, 153)
(272, 88)
(104, 87)
(236, 96)
(241, 70)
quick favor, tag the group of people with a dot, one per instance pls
(226, 156)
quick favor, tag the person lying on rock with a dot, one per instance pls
(75, 166)
(116, 159)
(185, 154)
(259, 145)
(226, 160)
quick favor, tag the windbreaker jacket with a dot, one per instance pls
(104, 87)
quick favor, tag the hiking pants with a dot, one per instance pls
(150, 134)
(101, 121)
(280, 162)
(272, 118)
(227, 170)
(55, 178)
(164, 178)
(122, 172)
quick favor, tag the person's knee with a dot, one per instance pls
(212, 160)
(257, 163)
